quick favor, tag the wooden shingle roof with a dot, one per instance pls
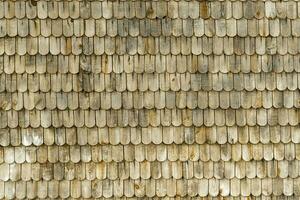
(161, 99)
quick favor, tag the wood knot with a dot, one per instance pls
(136, 186)
(149, 12)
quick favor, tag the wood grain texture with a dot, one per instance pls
(162, 99)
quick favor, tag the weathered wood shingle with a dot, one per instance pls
(153, 99)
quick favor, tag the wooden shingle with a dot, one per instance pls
(149, 99)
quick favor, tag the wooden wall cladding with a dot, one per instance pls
(152, 99)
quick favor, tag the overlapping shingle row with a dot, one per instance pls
(150, 99)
